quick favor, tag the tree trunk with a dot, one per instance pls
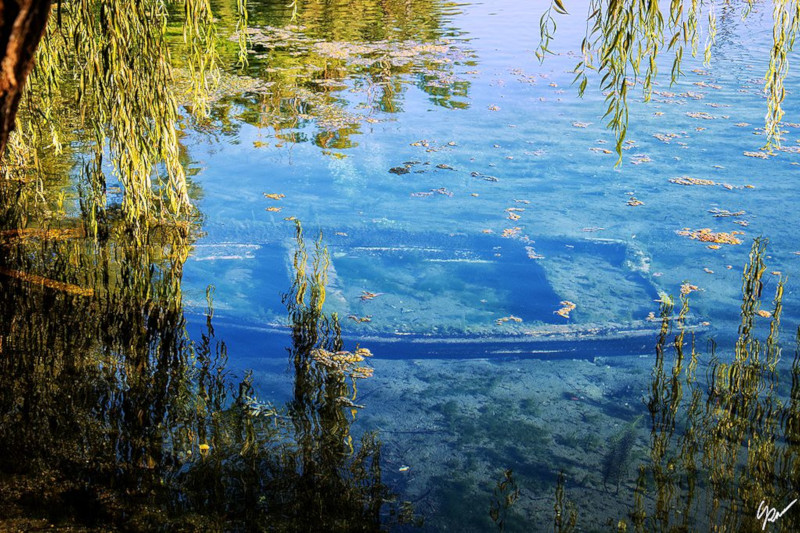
(22, 25)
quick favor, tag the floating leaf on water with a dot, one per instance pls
(274, 196)
(633, 202)
(532, 253)
(359, 319)
(742, 124)
(492, 231)
(581, 124)
(687, 288)
(666, 137)
(366, 295)
(494, 108)
(763, 313)
(638, 159)
(701, 115)
(510, 318)
(274, 209)
(566, 308)
(513, 216)
(421, 194)
(708, 270)
(400, 170)
(511, 232)
(686, 180)
(490, 178)
(721, 213)
(713, 246)
(757, 155)
(403, 468)
(444, 167)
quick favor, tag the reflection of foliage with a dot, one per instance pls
(104, 79)
(740, 446)
(334, 65)
(565, 514)
(112, 417)
(505, 495)
(624, 38)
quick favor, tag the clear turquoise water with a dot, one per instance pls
(439, 260)
(454, 387)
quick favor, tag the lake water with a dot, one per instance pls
(486, 249)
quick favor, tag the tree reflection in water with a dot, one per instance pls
(112, 417)
(720, 448)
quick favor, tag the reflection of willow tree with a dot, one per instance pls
(713, 462)
(110, 416)
(331, 65)
(625, 37)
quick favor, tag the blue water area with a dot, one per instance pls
(484, 243)
(522, 157)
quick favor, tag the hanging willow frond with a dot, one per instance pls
(624, 38)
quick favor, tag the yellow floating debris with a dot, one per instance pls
(68, 288)
(511, 232)
(274, 196)
(706, 235)
(345, 362)
(566, 308)
(757, 155)
(687, 288)
(513, 216)
(633, 202)
(274, 209)
(763, 313)
(510, 318)
(366, 295)
(359, 319)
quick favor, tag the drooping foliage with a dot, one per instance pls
(624, 39)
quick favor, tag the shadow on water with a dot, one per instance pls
(112, 417)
